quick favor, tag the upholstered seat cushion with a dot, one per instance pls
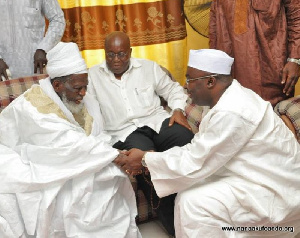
(11, 89)
(290, 109)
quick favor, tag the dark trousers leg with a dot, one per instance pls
(146, 139)
(167, 138)
(170, 136)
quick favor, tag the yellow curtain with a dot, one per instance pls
(156, 29)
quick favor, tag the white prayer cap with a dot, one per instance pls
(65, 59)
(210, 60)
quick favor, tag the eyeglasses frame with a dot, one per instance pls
(117, 54)
(203, 77)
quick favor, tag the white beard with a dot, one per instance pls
(72, 106)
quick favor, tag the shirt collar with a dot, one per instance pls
(134, 63)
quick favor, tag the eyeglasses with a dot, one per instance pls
(203, 77)
(120, 55)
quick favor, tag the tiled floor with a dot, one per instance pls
(153, 229)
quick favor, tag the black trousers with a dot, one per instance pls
(145, 138)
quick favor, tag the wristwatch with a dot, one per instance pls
(297, 61)
(143, 160)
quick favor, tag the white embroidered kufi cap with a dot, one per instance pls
(210, 60)
(65, 59)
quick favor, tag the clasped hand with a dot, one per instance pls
(130, 161)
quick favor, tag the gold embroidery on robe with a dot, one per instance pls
(43, 103)
(241, 16)
(46, 105)
(85, 120)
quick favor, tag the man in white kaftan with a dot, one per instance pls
(241, 170)
(57, 179)
(23, 42)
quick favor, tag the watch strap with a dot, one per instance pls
(297, 61)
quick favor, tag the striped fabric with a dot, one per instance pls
(11, 89)
(291, 109)
(194, 115)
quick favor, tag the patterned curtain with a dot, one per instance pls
(156, 29)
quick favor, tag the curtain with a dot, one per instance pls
(156, 29)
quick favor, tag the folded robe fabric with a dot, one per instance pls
(58, 181)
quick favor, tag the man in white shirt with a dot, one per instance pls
(23, 42)
(128, 91)
(57, 175)
(239, 177)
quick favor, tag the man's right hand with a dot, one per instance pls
(3, 68)
(130, 161)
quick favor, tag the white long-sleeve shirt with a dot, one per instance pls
(134, 101)
(22, 25)
(241, 143)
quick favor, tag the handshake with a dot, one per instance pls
(131, 161)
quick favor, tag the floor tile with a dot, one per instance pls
(153, 229)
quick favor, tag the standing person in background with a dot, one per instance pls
(264, 39)
(23, 42)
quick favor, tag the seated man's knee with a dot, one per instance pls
(175, 135)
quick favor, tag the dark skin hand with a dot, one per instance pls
(179, 118)
(3, 68)
(131, 161)
(290, 76)
(40, 60)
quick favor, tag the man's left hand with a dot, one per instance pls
(40, 60)
(290, 76)
(179, 118)
(132, 162)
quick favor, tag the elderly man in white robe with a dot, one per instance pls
(239, 177)
(56, 170)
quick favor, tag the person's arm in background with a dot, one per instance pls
(173, 93)
(291, 70)
(52, 11)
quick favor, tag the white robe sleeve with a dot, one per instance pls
(55, 149)
(221, 136)
(171, 91)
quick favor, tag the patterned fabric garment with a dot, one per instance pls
(22, 24)
(260, 36)
(291, 109)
